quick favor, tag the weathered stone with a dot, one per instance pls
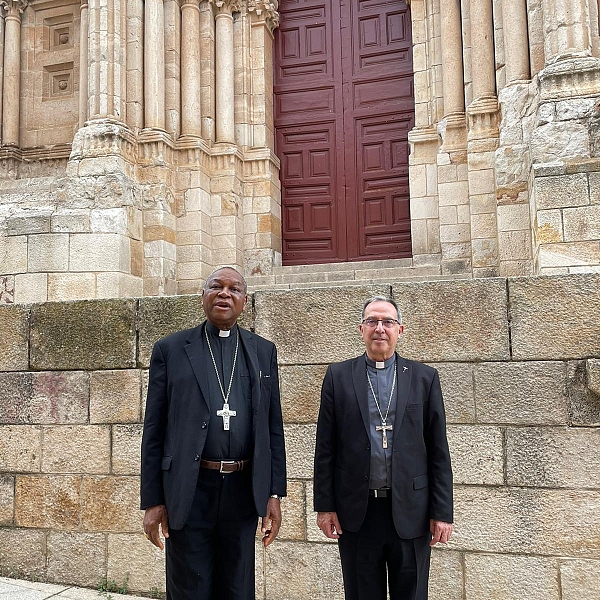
(115, 396)
(453, 320)
(111, 504)
(14, 350)
(44, 398)
(584, 402)
(477, 454)
(22, 553)
(7, 499)
(554, 317)
(76, 558)
(553, 457)
(446, 575)
(133, 558)
(582, 223)
(126, 448)
(94, 335)
(300, 450)
(526, 521)
(558, 140)
(593, 375)
(524, 393)
(76, 449)
(301, 392)
(47, 501)
(499, 577)
(20, 448)
(293, 512)
(324, 327)
(579, 579)
(456, 380)
(305, 566)
(561, 191)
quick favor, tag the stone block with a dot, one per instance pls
(549, 226)
(301, 392)
(20, 448)
(7, 499)
(126, 449)
(99, 252)
(132, 556)
(564, 255)
(584, 404)
(527, 393)
(579, 579)
(594, 180)
(456, 380)
(582, 223)
(71, 286)
(424, 208)
(293, 509)
(95, 334)
(13, 254)
(321, 316)
(446, 575)
(23, 553)
(484, 226)
(31, 287)
(459, 233)
(526, 521)
(300, 450)
(482, 181)
(544, 309)
(48, 252)
(111, 504)
(593, 375)
(115, 396)
(24, 225)
(561, 191)
(500, 577)
(513, 217)
(553, 457)
(76, 449)
(457, 320)
(48, 501)
(311, 571)
(14, 350)
(76, 558)
(477, 454)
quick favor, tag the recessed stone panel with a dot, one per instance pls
(555, 317)
(83, 335)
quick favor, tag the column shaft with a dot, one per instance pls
(191, 121)
(135, 64)
(1, 66)
(516, 40)
(12, 76)
(567, 29)
(207, 71)
(154, 64)
(452, 57)
(83, 64)
(482, 49)
(225, 88)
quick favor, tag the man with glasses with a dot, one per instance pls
(383, 479)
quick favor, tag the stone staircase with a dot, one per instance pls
(347, 273)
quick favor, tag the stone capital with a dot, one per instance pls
(227, 7)
(13, 7)
(190, 4)
(265, 10)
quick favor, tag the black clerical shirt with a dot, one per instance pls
(235, 444)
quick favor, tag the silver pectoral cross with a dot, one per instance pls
(226, 413)
(384, 429)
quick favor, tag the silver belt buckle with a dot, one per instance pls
(376, 493)
(226, 462)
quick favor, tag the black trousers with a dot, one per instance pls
(374, 556)
(212, 557)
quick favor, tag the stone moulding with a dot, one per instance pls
(483, 115)
(570, 78)
(104, 137)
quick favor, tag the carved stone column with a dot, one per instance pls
(567, 29)
(154, 64)
(191, 116)
(516, 40)
(224, 66)
(135, 64)
(12, 71)
(1, 64)
(83, 63)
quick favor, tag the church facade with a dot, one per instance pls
(144, 142)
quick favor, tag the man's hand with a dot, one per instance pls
(440, 531)
(274, 516)
(328, 523)
(155, 516)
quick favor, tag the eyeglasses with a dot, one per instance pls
(387, 323)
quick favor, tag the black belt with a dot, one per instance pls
(381, 493)
(225, 466)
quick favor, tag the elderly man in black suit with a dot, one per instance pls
(213, 455)
(383, 479)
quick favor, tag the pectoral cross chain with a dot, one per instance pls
(384, 429)
(226, 413)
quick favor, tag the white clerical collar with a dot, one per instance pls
(380, 364)
(224, 332)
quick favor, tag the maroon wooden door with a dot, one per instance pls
(343, 107)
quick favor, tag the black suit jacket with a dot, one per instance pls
(421, 470)
(177, 420)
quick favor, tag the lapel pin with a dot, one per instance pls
(405, 368)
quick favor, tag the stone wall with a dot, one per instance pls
(519, 361)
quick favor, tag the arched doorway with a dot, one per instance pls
(344, 104)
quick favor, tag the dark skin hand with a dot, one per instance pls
(274, 516)
(153, 517)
